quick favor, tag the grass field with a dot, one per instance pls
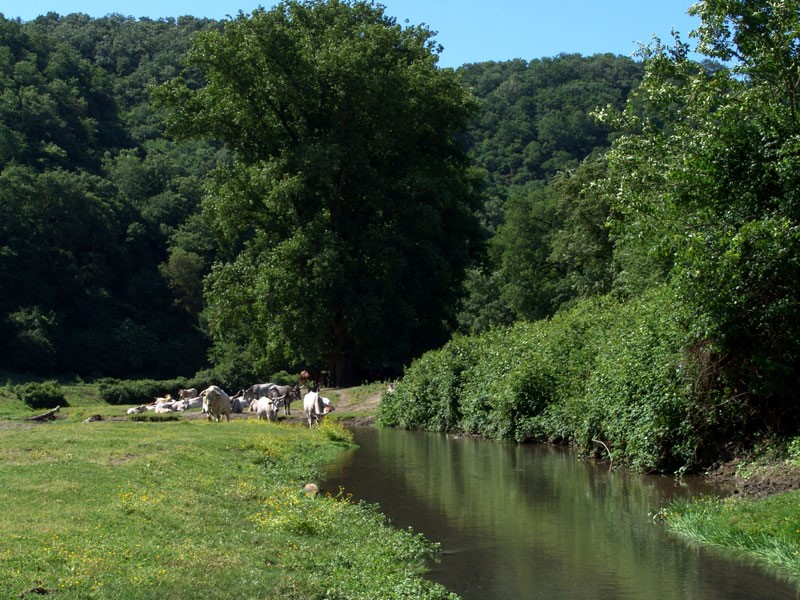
(187, 509)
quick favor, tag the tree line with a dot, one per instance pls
(305, 187)
(672, 269)
(134, 245)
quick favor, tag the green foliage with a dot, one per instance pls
(540, 146)
(47, 394)
(429, 395)
(638, 398)
(347, 210)
(90, 200)
(704, 187)
(604, 371)
(536, 117)
(144, 391)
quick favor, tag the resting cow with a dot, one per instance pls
(238, 402)
(216, 403)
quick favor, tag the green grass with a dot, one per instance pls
(188, 509)
(767, 530)
(83, 398)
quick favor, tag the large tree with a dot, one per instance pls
(347, 213)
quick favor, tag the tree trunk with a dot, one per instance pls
(48, 416)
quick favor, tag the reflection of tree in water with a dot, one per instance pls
(534, 521)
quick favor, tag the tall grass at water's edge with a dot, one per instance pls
(767, 530)
(191, 509)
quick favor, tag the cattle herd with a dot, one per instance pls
(262, 399)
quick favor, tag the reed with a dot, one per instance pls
(766, 530)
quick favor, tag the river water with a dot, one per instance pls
(530, 521)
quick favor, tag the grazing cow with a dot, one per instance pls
(267, 409)
(285, 394)
(254, 392)
(313, 407)
(313, 379)
(304, 377)
(216, 403)
(187, 393)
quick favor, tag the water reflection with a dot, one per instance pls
(535, 522)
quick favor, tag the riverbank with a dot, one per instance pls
(760, 519)
(185, 508)
(750, 482)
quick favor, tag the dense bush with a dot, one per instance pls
(430, 395)
(139, 391)
(605, 374)
(42, 395)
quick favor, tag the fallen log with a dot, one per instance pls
(48, 416)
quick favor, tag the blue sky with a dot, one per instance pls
(469, 30)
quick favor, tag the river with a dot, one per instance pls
(531, 521)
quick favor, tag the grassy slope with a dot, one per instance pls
(187, 509)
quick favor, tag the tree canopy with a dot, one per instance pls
(704, 187)
(94, 200)
(348, 210)
(80, 134)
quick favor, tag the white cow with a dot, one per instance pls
(267, 409)
(137, 409)
(188, 403)
(194, 402)
(216, 403)
(313, 407)
(187, 393)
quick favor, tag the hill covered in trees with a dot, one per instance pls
(105, 246)
(596, 249)
(101, 250)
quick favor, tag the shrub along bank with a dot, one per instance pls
(613, 378)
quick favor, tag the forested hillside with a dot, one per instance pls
(534, 131)
(597, 250)
(101, 250)
(667, 267)
(105, 246)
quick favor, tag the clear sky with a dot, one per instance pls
(469, 30)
